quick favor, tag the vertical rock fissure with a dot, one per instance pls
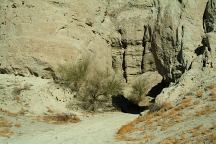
(209, 17)
(124, 65)
(143, 57)
(208, 26)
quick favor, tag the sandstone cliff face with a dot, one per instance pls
(184, 43)
(36, 36)
(130, 54)
(176, 34)
(172, 37)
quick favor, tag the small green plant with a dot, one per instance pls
(73, 74)
(138, 90)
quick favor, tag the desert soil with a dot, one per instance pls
(96, 129)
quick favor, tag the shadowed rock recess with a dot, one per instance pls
(142, 55)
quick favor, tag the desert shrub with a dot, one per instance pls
(98, 89)
(138, 90)
(94, 89)
(72, 75)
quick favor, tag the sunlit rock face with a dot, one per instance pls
(130, 37)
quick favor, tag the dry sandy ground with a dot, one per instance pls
(97, 129)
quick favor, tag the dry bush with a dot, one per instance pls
(60, 119)
(138, 90)
(72, 75)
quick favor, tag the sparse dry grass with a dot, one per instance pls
(5, 123)
(128, 128)
(184, 103)
(5, 126)
(6, 132)
(205, 111)
(17, 98)
(6, 112)
(170, 140)
(167, 116)
(49, 110)
(212, 137)
(167, 106)
(211, 86)
(17, 125)
(201, 134)
(198, 134)
(213, 95)
(124, 130)
(60, 119)
(199, 93)
(148, 138)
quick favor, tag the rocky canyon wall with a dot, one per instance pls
(37, 35)
(131, 37)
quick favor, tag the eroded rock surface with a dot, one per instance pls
(175, 38)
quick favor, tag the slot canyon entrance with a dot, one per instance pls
(127, 106)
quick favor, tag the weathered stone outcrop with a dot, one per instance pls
(132, 37)
(209, 17)
(184, 43)
(36, 36)
(176, 34)
(130, 55)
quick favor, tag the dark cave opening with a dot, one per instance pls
(126, 106)
(156, 90)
